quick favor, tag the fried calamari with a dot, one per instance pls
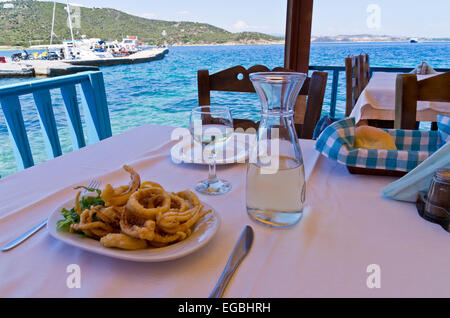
(140, 215)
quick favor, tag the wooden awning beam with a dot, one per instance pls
(298, 35)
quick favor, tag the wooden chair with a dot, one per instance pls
(353, 85)
(409, 91)
(357, 72)
(236, 79)
(364, 71)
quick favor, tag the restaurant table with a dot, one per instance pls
(346, 227)
(377, 101)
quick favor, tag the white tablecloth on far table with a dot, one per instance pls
(377, 101)
(346, 227)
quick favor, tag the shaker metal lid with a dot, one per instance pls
(443, 175)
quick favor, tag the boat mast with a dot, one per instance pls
(70, 23)
(53, 23)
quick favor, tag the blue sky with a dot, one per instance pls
(331, 17)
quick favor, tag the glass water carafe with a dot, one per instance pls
(275, 174)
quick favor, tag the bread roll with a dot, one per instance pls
(373, 138)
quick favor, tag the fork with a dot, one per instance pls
(94, 184)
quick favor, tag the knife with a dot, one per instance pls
(24, 236)
(239, 252)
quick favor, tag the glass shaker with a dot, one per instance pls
(275, 191)
(437, 204)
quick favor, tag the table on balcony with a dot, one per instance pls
(377, 101)
(346, 228)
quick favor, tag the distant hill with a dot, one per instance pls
(31, 20)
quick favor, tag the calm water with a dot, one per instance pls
(163, 92)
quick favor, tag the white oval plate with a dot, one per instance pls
(202, 233)
(235, 151)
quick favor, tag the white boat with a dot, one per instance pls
(130, 44)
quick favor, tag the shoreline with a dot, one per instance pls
(10, 48)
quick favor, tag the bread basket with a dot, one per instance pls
(413, 147)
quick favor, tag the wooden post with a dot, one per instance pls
(204, 93)
(298, 35)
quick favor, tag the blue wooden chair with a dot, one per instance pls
(95, 109)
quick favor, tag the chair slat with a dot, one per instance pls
(409, 91)
(435, 89)
(17, 132)
(204, 90)
(364, 70)
(96, 108)
(316, 95)
(69, 94)
(334, 91)
(357, 72)
(44, 106)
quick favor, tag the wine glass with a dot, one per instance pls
(211, 126)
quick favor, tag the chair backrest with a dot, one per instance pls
(352, 75)
(364, 70)
(237, 79)
(95, 110)
(409, 91)
(357, 73)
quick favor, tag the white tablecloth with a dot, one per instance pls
(346, 227)
(377, 101)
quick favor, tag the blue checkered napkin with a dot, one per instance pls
(444, 128)
(336, 142)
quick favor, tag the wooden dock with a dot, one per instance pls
(46, 68)
(56, 68)
(8, 70)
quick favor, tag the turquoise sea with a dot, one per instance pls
(163, 92)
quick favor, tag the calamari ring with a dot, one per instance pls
(94, 229)
(109, 215)
(173, 219)
(183, 227)
(87, 216)
(113, 196)
(136, 227)
(135, 182)
(177, 203)
(89, 227)
(138, 203)
(119, 196)
(190, 196)
(153, 202)
(167, 239)
(150, 184)
(122, 241)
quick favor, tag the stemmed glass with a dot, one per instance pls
(211, 126)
